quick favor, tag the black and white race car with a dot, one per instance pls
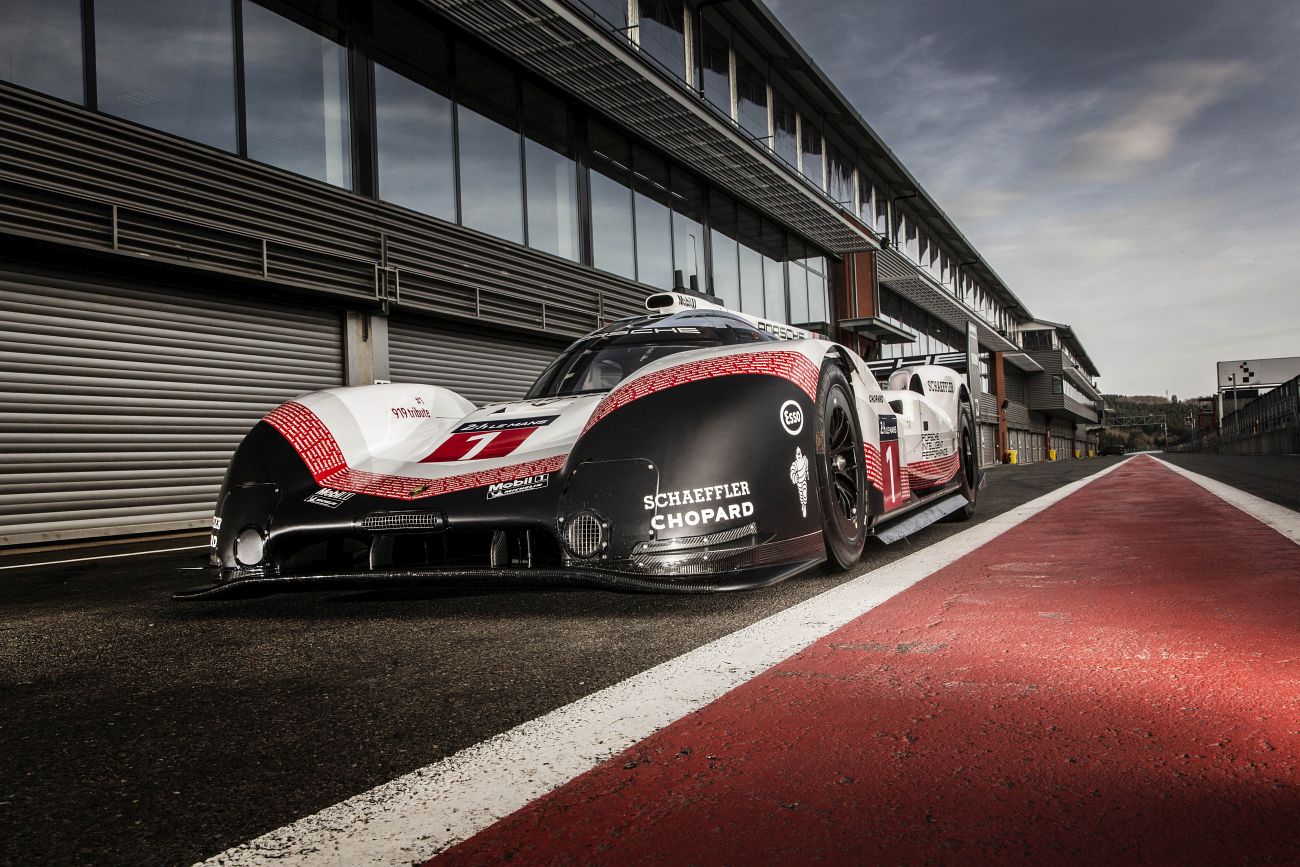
(689, 449)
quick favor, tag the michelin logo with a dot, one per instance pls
(518, 486)
(799, 477)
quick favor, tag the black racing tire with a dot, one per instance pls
(841, 469)
(968, 472)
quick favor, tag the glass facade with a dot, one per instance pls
(662, 33)
(715, 66)
(415, 145)
(296, 98)
(185, 83)
(810, 150)
(44, 52)
(932, 334)
(751, 92)
(551, 175)
(455, 133)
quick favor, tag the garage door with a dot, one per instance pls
(120, 406)
(482, 367)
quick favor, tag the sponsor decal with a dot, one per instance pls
(781, 332)
(799, 477)
(480, 440)
(875, 398)
(694, 496)
(792, 417)
(213, 543)
(938, 385)
(518, 486)
(505, 424)
(329, 498)
(216, 522)
(932, 446)
(409, 412)
(894, 482)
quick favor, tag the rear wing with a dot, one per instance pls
(956, 360)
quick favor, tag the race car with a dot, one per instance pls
(689, 449)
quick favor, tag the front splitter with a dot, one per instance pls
(479, 579)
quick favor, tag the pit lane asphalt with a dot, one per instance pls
(137, 730)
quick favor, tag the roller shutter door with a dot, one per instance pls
(988, 449)
(120, 406)
(482, 367)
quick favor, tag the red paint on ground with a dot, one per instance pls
(1116, 680)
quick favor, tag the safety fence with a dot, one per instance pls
(1268, 425)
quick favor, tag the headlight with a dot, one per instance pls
(250, 546)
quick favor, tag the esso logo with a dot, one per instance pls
(791, 417)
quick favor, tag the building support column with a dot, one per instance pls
(365, 339)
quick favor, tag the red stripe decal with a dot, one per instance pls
(314, 443)
(926, 474)
(787, 365)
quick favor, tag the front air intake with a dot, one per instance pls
(584, 535)
(394, 522)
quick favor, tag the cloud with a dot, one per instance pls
(1174, 95)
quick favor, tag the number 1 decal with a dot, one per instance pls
(481, 440)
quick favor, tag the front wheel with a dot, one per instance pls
(841, 470)
(968, 472)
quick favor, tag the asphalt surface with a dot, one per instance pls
(1273, 477)
(142, 731)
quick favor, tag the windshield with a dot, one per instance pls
(603, 360)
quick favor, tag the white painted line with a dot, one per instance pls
(429, 810)
(101, 557)
(1285, 521)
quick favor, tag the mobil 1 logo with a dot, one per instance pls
(792, 417)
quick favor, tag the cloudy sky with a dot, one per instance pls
(1131, 167)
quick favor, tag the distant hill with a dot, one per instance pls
(1175, 412)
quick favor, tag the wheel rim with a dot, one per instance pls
(842, 458)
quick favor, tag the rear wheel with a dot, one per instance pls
(841, 470)
(968, 472)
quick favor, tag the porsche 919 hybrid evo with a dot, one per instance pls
(689, 449)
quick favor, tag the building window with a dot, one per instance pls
(882, 211)
(170, 65)
(810, 151)
(415, 145)
(40, 47)
(817, 303)
(774, 252)
(749, 232)
(688, 230)
(726, 256)
(662, 33)
(488, 146)
(866, 207)
(797, 279)
(751, 93)
(614, 12)
(613, 244)
(840, 173)
(551, 174)
(654, 231)
(715, 67)
(296, 98)
(785, 128)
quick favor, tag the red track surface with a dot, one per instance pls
(1116, 680)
